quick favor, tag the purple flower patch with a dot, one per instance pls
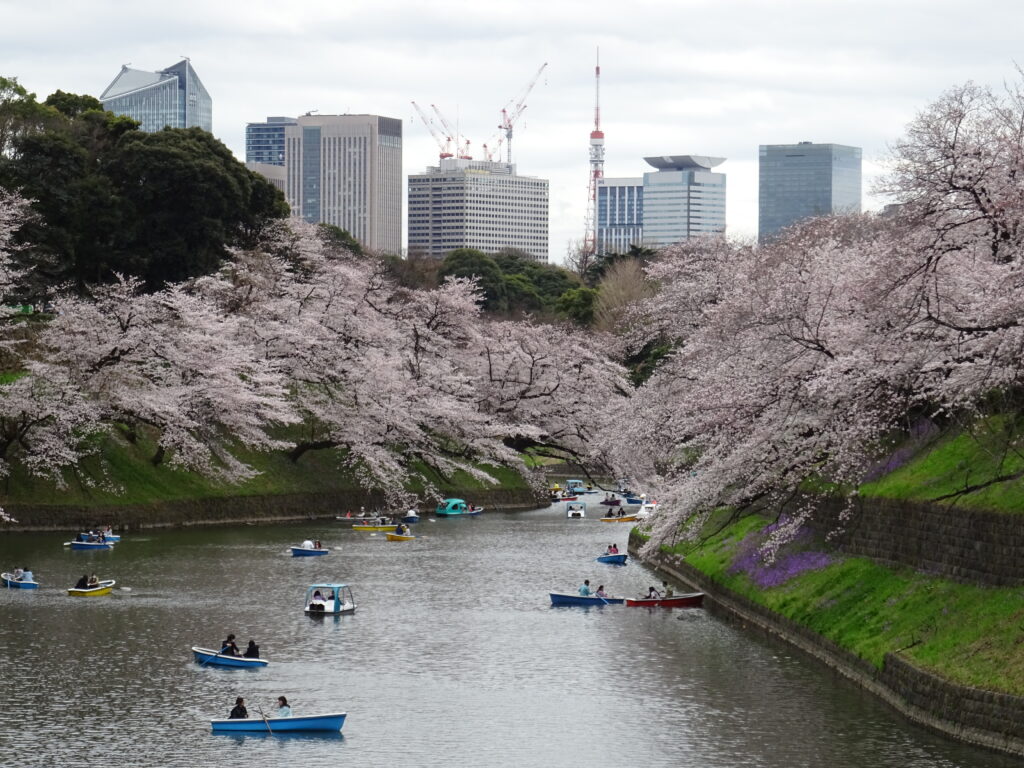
(750, 560)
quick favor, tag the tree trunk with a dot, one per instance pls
(313, 445)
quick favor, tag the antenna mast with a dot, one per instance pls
(596, 171)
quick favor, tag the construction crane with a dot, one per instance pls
(461, 142)
(514, 109)
(444, 143)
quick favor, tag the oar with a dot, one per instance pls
(265, 721)
(204, 663)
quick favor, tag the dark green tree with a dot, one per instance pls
(521, 295)
(578, 304)
(469, 262)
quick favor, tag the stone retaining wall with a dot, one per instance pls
(233, 509)
(972, 546)
(986, 719)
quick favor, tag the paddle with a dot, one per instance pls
(265, 721)
(204, 663)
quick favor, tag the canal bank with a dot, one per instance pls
(974, 714)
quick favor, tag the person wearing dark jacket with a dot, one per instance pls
(239, 712)
(228, 647)
(83, 583)
(253, 651)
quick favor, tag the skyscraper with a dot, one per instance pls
(798, 181)
(346, 170)
(478, 204)
(172, 97)
(264, 142)
(620, 208)
(683, 198)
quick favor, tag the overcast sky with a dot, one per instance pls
(713, 77)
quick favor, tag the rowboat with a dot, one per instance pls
(332, 722)
(89, 545)
(210, 658)
(610, 502)
(329, 600)
(12, 583)
(619, 519)
(103, 588)
(399, 537)
(373, 527)
(411, 517)
(689, 600)
(561, 599)
(306, 552)
(616, 559)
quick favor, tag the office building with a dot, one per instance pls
(682, 199)
(346, 170)
(479, 204)
(172, 97)
(264, 142)
(798, 181)
(620, 206)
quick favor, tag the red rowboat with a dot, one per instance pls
(689, 600)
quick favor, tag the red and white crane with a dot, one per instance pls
(514, 109)
(461, 142)
(444, 142)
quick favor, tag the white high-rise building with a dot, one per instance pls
(477, 204)
(682, 199)
(346, 170)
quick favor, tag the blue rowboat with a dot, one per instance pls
(303, 552)
(111, 537)
(560, 599)
(332, 722)
(89, 545)
(613, 559)
(211, 658)
(12, 583)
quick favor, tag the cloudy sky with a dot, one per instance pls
(715, 77)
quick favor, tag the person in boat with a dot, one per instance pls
(613, 549)
(652, 594)
(283, 708)
(666, 590)
(239, 712)
(26, 574)
(82, 583)
(400, 529)
(317, 544)
(94, 581)
(330, 597)
(585, 589)
(18, 574)
(229, 647)
(252, 652)
(307, 544)
(600, 592)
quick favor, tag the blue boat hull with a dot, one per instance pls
(15, 584)
(613, 559)
(111, 537)
(560, 599)
(332, 722)
(210, 658)
(90, 545)
(411, 519)
(300, 552)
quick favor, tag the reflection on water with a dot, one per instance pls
(454, 658)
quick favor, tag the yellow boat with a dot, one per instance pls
(623, 519)
(103, 588)
(399, 537)
(390, 527)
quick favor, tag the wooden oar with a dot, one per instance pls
(204, 663)
(265, 721)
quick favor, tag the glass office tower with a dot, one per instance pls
(620, 210)
(264, 142)
(684, 198)
(798, 181)
(173, 97)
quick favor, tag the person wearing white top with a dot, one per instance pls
(307, 544)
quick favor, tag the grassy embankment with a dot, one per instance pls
(122, 474)
(970, 635)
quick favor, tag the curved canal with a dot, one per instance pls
(454, 658)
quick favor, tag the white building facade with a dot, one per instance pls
(479, 204)
(620, 207)
(346, 170)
